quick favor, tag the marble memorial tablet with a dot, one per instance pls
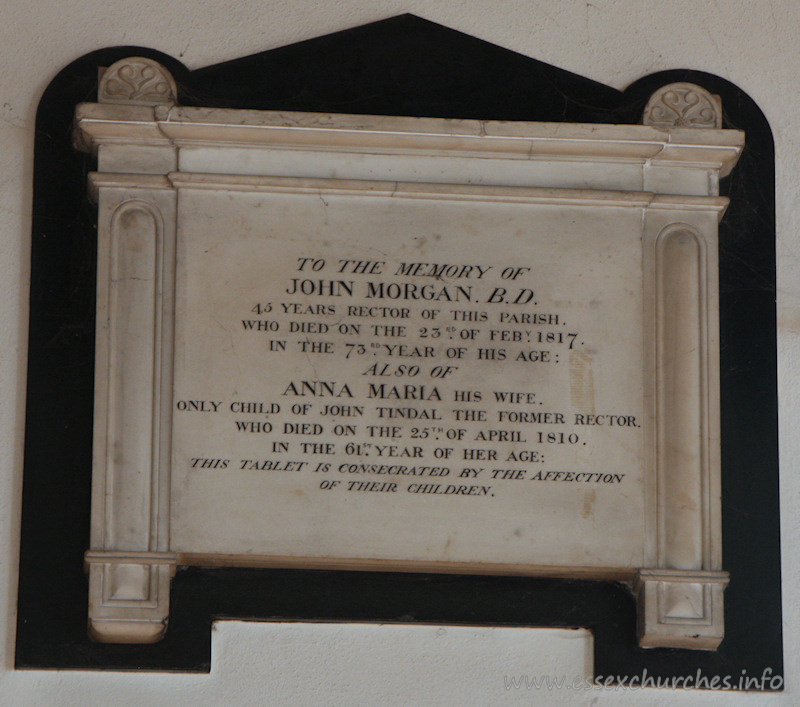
(341, 341)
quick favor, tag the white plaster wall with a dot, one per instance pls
(754, 43)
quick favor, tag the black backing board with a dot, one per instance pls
(400, 66)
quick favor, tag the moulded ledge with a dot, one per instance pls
(168, 125)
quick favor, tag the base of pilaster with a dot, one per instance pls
(680, 608)
(129, 595)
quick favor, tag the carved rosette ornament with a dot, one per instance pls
(137, 81)
(683, 105)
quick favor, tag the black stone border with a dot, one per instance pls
(400, 66)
